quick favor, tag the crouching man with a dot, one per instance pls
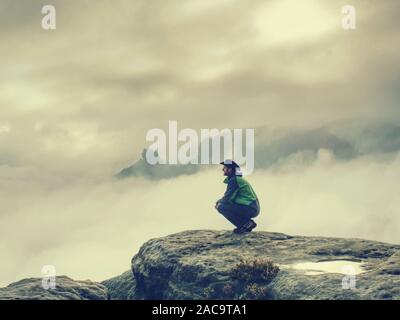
(239, 203)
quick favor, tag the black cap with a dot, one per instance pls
(230, 163)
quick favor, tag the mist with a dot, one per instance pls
(91, 229)
(76, 104)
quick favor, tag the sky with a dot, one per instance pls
(76, 103)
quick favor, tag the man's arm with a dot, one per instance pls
(230, 190)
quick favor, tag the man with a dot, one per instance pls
(239, 203)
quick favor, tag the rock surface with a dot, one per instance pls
(191, 264)
(198, 264)
(66, 289)
(122, 287)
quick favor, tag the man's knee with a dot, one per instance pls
(222, 208)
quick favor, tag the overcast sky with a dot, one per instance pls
(76, 103)
(84, 95)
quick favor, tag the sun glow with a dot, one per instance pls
(293, 21)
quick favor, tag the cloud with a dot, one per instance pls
(91, 229)
(76, 104)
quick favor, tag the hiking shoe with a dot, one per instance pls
(249, 226)
(236, 230)
(239, 230)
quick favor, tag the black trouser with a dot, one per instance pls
(237, 214)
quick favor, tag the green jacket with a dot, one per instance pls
(239, 191)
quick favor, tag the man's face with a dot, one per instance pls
(227, 171)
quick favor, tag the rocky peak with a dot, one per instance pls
(200, 264)
(207, 264)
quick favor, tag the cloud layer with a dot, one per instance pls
(76, 104)
(91, 230)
